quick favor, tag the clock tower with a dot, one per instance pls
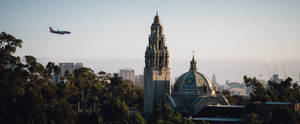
(156, 71)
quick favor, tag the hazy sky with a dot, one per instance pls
(230, 37)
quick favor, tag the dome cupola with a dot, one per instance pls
(193, 83)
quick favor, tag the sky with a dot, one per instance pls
(231, 38)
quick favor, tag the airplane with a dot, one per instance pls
(59, 32)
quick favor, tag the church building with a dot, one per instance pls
(193, 94)
(192, 91)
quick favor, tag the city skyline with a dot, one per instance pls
(230, 38)
(208, 66)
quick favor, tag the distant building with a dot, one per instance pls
(104, 77)
(249, 89)
(127, 74)
(236, 88)
(70, 67)
(214, 81)
(275, 78)
(78, 65)
(237, 114)
(237, 91)
(234, 85)
(263, 82)
(66, 67)
(299, 79)
(139, 80)
(55, 78)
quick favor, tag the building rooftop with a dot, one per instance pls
(278, 103)
(219, 119)
(228, 106)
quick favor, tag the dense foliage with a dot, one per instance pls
(235, 99)
(283, 91)
(28, 94)
(166, 115)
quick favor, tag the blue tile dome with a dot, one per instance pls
(193, 91)
(193, 83)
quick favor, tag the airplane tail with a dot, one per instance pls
(51, 30)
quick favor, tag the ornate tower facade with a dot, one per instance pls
(156, 71)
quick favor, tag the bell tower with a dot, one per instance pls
(156, 71)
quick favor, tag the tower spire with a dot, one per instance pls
(157, 52)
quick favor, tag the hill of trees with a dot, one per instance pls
(28, 95)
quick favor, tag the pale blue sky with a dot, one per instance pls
(218, 30)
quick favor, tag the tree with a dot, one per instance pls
(234, 100)
(136, 118)
(282, 91)
(52, 69)
(284, 115)
(115, 111)
(166, 115)
(126, 91)
(253, 119)
(8, 46)
(12, 79)
(259, 92)
(276, 92)
(101, 72)
(204, 122)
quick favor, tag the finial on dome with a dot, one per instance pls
(193, 54)
(193, 63)
(157, 10)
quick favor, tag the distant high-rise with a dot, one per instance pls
(299, 79)
(66, 67)
(214, 81)
(127, 74)
(139, 80)
(275, 78)
(78, 65)
(55, 78)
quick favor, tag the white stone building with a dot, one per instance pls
(127, 74)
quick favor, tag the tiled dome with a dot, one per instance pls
(193, 91)
(193, 82)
